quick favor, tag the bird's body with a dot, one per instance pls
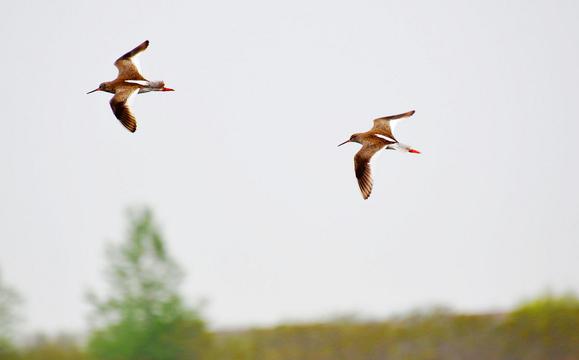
(143, 85)
(372, 141)
(129, 82)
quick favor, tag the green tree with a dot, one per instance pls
(9, 301)
(544, 328)
(144, 317)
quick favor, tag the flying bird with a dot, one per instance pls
(374, 140)
(129, 82)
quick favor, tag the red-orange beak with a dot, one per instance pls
(414, 151)
(90, 92)
(167, 89)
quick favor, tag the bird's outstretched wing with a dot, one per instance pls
(384, 125)
(120, 106)
(362, 167)
(128, 64)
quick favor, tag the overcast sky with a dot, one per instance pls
(241, 166)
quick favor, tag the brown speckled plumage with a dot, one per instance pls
(129, 82)
(372, 141)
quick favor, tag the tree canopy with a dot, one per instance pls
(9, 300)
(143, 316)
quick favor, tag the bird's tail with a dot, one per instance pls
(403, 148)
(157, 84)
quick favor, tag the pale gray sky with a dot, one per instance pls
(241, 165)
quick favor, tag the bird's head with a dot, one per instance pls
(353, 138)
(102, 87)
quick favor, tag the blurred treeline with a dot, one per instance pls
(546, 328)
(143, 317)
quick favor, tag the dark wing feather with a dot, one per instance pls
(382, 125)
(128, 68)
(362, 167)
(121, 108)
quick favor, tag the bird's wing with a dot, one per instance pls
(362, 167)
(385, 125)
(120, 106)
(128, 64)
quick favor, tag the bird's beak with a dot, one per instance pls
(414, 151)
(345, 142)
(97, 89)
(167, 89)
